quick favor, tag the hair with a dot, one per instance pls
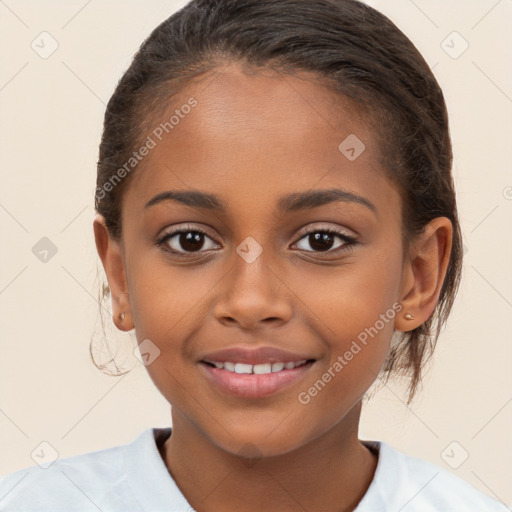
(346, 44)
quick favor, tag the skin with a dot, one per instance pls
(255, 136)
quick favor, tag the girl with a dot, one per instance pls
(277, 222)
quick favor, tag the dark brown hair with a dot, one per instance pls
(361, 54)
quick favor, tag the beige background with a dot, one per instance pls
(51, 119)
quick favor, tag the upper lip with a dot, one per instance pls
(259, 355)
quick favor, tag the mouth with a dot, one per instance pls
(255, 374)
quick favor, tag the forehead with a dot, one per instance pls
(260, 134)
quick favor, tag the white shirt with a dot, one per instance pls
(134, 478)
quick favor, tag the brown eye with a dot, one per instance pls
(191, 241)
(324, 241)
(186, 241)
(321, 241)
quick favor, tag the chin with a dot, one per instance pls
(261, 440)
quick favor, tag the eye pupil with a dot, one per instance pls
(321, 241)
(191, 241)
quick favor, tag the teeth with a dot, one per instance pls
(258, 369)
(262, 368)
(243, 368)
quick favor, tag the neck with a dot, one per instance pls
(332, 472)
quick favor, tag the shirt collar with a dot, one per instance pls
(148, 476)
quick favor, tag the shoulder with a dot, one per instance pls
(411, 484)
(81, 482)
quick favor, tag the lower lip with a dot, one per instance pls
(250, 385)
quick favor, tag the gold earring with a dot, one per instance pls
(408, 316)
(121, 316)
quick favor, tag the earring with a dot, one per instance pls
(121, 316)
(408, 316)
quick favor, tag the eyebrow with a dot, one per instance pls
(289, 203)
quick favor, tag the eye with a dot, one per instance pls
(324, 240)
(187, 240)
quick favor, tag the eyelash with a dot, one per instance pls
(349, 242)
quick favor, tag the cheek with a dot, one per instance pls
(358, 342)
(354, 312)
(170, 304)
(343, 301)
(165, 299)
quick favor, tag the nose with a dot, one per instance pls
(253, 295)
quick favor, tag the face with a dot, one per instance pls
(289, 251)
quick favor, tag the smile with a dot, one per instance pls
(255, 381)
(259, 369)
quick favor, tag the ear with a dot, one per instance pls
(111, 255)
(423, 273)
